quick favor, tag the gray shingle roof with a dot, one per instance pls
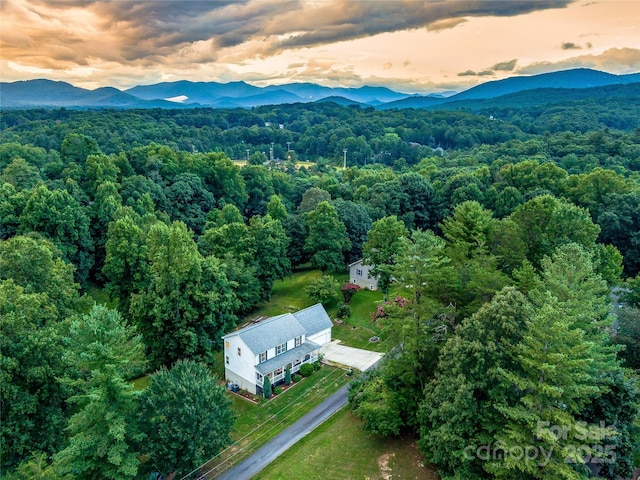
(276, 330)
(270, 332)
(314, 319)
(287, 357)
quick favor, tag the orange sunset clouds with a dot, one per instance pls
(411, 46)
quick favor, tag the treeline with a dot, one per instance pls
(186, 243)
(324, 130)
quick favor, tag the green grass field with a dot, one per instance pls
(288, 295)
(340, 449)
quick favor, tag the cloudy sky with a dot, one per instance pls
(411, 46)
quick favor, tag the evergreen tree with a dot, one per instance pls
(553, 376)
(266, 387)
(270, 244)
(104, 430)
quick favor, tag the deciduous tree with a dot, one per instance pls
(182, 435)
(327, 240)
(187, 303)
(382, 247)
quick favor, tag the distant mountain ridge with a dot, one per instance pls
(49, 93)
(187, 94)
(579, 78)
(241, 94)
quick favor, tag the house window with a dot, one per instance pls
(239, 352)
(226, 359)
(359, 272)
(281, 348)
(298, 341)
(297, 362)
(263, 357)
(278, 371)
(258, 377)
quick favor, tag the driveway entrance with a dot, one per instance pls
(357, 358)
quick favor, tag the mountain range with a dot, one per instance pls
(186, 94)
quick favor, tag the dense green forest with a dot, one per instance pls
(498, 238)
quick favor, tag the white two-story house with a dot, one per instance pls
(271, 346)
(360, 274)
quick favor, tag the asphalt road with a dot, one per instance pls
(279, 444)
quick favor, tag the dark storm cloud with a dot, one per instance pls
(359, 18)
(156, 29)
(500, 67)
(505, 66)
(570, 46)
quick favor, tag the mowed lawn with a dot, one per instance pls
(288, 295)
(340, 449)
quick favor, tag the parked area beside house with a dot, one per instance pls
(271, 346)
(348, 356)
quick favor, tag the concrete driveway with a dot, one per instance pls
(357, 358)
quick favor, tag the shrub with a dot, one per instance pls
(277, 390)
(344, 311)
(287, 377)
(323, 290)
(297, 378)
(316, 365)
(349, 290)
(306, 369)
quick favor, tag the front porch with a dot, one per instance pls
(275, 368)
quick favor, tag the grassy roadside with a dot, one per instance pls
(339, 448)
(257, 424)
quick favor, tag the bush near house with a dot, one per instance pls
(349, 290)
(344, 311)
(306, 370)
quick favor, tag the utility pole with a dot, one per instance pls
(272, 151)
(344, 162)
(248, 155)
